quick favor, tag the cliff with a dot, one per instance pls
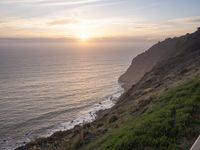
(159, 111)
(144, 62)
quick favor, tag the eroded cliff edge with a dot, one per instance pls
(159, 52)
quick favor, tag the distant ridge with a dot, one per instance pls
(144, 62)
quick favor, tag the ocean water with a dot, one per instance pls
(48, 87)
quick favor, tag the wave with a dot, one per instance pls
(89, 115)
(85, 116)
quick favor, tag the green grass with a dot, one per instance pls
(169, 124)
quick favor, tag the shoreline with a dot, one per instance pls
(90, 116)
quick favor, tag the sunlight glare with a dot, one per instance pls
(84, 37)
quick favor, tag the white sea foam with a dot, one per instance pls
(90, 114)
(45, 92)
(85, 117)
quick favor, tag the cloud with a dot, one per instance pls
(187, 20)
(19, 1)
(50, 2)
(69, 2)
(63, 21)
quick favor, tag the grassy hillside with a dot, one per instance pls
(172, 122)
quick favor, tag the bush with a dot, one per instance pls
(113, 119)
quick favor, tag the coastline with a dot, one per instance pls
(89, 116)
(143, 111)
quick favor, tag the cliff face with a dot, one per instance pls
(161, 51)
(153, 90)
(149, 115)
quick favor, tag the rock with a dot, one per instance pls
(113, 119)
(102, 130)
(99, 125)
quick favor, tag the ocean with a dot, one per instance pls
(51, 86)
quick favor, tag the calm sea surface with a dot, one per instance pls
(45, 86)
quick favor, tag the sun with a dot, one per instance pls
(84, 37)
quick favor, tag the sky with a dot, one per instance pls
(83, 19)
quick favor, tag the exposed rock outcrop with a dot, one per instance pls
(159, 52)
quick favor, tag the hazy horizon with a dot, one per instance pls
(98, 19)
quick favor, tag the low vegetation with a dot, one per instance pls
(172, 123)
